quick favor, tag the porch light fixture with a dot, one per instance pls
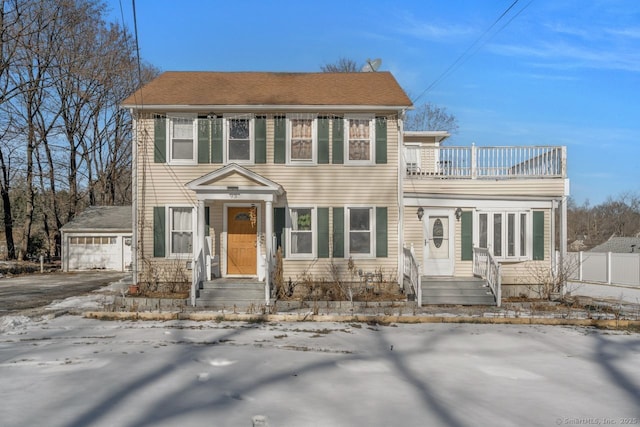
(458, 213)
(420, 213)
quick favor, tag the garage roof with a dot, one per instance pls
(102, 218)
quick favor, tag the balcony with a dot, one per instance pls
(495, 163)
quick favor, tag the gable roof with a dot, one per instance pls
(102, 218)
(199, 88)
(256, 183)
(619, 245)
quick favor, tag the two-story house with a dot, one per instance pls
(230, 166)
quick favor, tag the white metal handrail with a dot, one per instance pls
(485, 162)
(486, 266)
(411, 271)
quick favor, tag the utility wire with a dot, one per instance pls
(466, 54)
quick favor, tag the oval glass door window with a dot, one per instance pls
(438, 233)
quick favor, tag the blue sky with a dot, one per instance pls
(548, 73)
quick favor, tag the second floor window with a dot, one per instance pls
(182, 146)
(239, 140)
(301, 139)
(360, 136)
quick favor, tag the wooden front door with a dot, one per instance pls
(242, 240)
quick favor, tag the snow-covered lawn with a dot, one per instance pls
(71, 371)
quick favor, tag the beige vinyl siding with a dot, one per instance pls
(486, 187)
(324, 185)
(519, 272)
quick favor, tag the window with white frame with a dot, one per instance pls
(181, 231)
(360, 137)
(301, 139)
(302, 232)
(239, 139)
(507, 234)
(360, 228)
(182, 147)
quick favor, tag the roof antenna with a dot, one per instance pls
(371, 65)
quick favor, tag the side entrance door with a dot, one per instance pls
(242, 240)
(439, 237)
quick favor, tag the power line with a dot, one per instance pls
(475, 46)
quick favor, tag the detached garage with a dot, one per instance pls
(98, 238)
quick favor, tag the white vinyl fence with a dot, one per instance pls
(605, 267)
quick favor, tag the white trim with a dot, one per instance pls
(372, 139)
(314, 139)
(495, 202)
(372, 232)
(168, 229)
(439, 266)
(169, 133)
(314, 232)
(225, 146)
(504, 257)
(224, 237)
(268, 107)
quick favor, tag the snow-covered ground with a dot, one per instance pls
(71, 371)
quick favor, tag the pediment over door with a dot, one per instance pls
(235, 182)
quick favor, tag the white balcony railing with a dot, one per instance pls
(485, 162)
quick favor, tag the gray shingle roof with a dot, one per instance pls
(102, 218)
(619, 245)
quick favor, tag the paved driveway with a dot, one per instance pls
(38, 290)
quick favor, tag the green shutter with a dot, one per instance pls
(204, 137)
(337, 141)
(538, 235)
(260, 140)
(382, 245)
(207, 221)
(279, 228)
(381, 140)
(323, 232)
(158, 231)
(338, 232)
(280, 140)
(466, 232)
(216, 139)
(160, 139)
(323, 140)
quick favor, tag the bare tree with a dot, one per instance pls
(431, 117)
(342, 65)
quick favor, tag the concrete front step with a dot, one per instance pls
(227, 293)
(453, 300)
(456, 291)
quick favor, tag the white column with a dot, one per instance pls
(200, 234)
(268, 241)
(563, 239)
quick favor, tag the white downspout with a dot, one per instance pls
(134, 198)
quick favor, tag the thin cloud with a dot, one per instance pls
(566, 55)
(429, 30)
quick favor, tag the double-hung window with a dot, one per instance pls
(181, 231)
(240, 139)
(182, 146)
(360, 226)
(302, 232)
(302, 139)
(360, 139)
(506, 234)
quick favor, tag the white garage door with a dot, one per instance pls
(91, 252)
